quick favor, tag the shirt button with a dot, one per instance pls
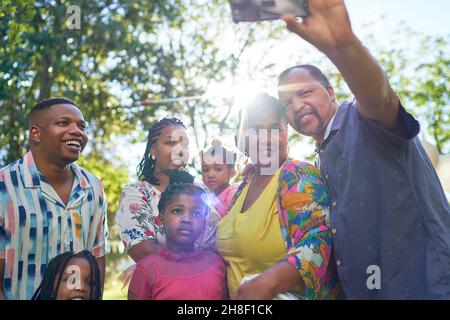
(326, 176)
(334, 203)
(334, 230)
(338, 262)
(321, 151)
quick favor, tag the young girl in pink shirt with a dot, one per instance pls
(218, 167)
(179, 271)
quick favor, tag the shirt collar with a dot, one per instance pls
(339, 115)
(33, 178)
(328, 129)
(335, 122)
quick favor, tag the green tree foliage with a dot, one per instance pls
(432, 93)
(114, 175)
(421, 78)
(201, 58)
(106, 66)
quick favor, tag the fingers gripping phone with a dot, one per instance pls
(260, 10)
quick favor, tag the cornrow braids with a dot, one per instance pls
(54, 271)
(146, 168)
(181, 182)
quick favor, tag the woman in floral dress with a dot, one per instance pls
(138, 215)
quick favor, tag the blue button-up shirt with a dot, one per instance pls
(389, 214)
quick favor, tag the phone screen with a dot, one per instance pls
(260, 10)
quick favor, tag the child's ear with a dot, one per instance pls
(160, 221)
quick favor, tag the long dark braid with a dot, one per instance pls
(95, 281)
(146, 168)
(54, 273)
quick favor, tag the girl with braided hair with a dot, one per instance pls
(71, 276)
(178, 270)
(138, 214)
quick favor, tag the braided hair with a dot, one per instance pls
(48, 289)
(146, 168)
(181, 182)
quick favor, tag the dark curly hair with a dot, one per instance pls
(48, 289)
(181, 182)
(146, 168)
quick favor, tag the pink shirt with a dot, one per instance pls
(165, 275)
(223, 205)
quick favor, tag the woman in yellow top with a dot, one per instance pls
(278, 226)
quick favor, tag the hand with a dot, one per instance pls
(255, 289)
(327, 27)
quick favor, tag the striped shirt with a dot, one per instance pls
(36, 226)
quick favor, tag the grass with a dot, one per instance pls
(113, 287)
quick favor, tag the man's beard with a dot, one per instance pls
(315, 131)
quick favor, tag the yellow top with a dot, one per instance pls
(251, 242)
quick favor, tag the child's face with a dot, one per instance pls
(216, 175)
(75, 280)
(184, 220)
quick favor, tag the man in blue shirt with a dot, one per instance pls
(389, 215)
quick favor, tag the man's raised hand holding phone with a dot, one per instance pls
(328, 28)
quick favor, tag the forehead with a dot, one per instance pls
(172, 132)
(80, 262)
(187, 200)
(64, 110)
(209, 159)
(296, 79)
(264, 116)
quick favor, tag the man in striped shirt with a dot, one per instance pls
(48, 205)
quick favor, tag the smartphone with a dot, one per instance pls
(260, 10)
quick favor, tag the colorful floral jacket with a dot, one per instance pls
(303, 213)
